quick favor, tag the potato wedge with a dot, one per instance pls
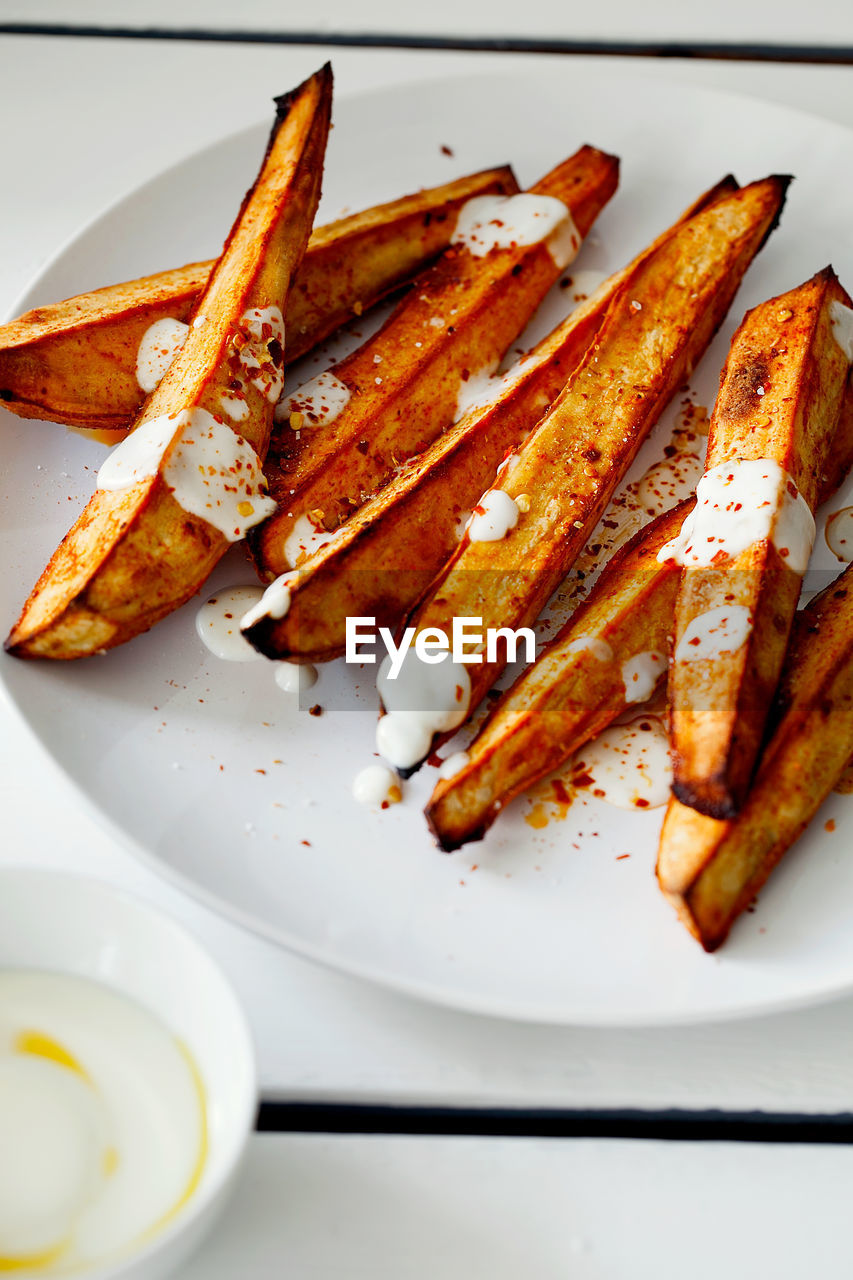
(75, 362)
(657, 327)
(748, 542)
(380, 560)
(569, 695)
(184, 484)
(393, 396)
(611, 653)
(710, 869)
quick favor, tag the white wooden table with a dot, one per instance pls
(392, 1204)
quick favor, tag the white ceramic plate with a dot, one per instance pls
(221, 781)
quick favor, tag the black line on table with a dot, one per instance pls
(669, 1126)
(823, 54)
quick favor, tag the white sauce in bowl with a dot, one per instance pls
(103, 1127)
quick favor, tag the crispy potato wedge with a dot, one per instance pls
(570, 695)
(775, 417)
(75, 361)
(710, 869)
(399, 390)
(380, 560)
(145, 544)
(578, 685)
(658, 325)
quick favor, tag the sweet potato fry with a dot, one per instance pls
(393, 396)
(380, 560)
(748, 542)
(612, 652)
(184, 484)
(710, 869)
(75, 362)
(570, 695)
(657, 327)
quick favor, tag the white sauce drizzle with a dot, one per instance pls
(839, 534)
(599, 649)
(304, 539)
(295, 677)
(564, 243)
(259, 327)
(741, 503)
(235, 405)
(627, 765)
(158, 347)
(841, 322)
(375, 786)
(212, 471)
(319, 401)
(218, 623)
(641, 673)
(424, 699)
(496, 513)
(139, 454)
(453, 764)
(502, 222)
(274, 603)
(709, 635)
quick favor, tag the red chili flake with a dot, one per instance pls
(694, 640)
(641, 803)
(260, 771)
(307, 843)
(479, 510)
(620, 856)
(560, 792)
(445, 150)
(829, 825)
(316, 710)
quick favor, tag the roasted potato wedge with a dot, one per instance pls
(710, 869)
(393, 396)
(75, 362)
(570, 694)
(748, 542)
(611, 653)
(184, 484)
(657, 327)
(380, 560)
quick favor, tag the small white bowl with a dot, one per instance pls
(74, 925)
